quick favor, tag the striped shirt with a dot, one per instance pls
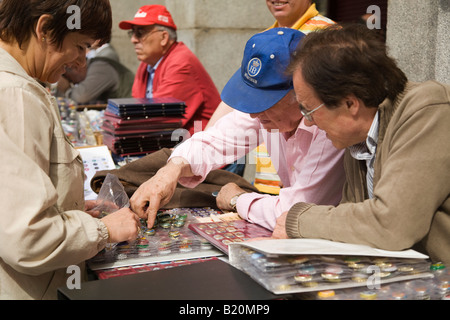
(366, 151)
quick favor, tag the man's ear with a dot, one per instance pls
(353, 104)
(164, 38)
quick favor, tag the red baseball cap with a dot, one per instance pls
(150, 15)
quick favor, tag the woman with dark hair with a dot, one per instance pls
(43, 224)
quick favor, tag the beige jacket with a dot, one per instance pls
(42, 230)
(411, 204)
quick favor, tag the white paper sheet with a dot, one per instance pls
(95, 159)
(321, 247)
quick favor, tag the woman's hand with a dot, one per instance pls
(122, 225)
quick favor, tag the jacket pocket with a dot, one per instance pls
(67, 174)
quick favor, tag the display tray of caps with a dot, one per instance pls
(300, 273)
(168, 239)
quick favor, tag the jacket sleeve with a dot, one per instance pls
(179, 79)
(317, 176)
(413, 184)
(231, 138)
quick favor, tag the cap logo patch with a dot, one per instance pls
(254, 67)
(141, 14)
(163, 18)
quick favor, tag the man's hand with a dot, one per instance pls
(279, 232)
(76, 74)
(63, 85)
(227, 192)
(89, 207)
(158, 190)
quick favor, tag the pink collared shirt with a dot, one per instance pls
(309, 166)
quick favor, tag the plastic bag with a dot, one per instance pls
(112, 196)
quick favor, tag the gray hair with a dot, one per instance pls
(172, 33)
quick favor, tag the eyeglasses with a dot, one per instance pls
(307, 114)
(140, 33)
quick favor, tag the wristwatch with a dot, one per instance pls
(233, 200)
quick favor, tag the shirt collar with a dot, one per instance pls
(372, 136)
(9, 64)
(368, 148)
(94, 52)
(150, 68)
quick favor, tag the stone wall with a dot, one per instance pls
(217, 30)
(418, 36)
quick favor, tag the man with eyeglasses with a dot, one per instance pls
(396, 135)
(168, 68)
(265, 110)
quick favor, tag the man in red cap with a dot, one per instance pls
(168, 68)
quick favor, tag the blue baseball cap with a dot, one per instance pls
(261, 81)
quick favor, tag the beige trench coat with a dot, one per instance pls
(42, 230)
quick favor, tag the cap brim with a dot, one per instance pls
(127, 25)
(240, 96)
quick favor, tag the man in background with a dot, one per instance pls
(102, 78)
(168, 68)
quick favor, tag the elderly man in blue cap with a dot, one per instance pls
(265, 110)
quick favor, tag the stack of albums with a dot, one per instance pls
(306, 265)
(134, 127)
